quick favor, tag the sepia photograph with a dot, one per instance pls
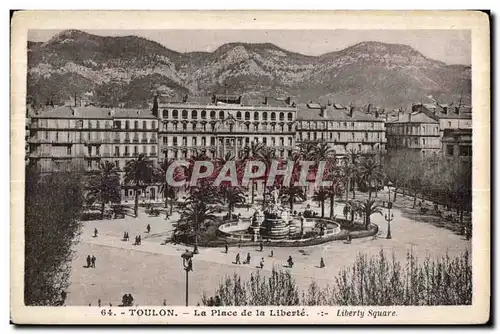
(257, 170)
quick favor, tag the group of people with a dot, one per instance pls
(138, 240)
(91, 261)
(247, 261)
(127, 300)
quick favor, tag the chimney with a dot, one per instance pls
(155, 106)
(329, 103)
(323, 111)
(376, 114)
(351, 111)
(265, 100)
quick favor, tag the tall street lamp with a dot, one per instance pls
(187, 263)
(389, 216)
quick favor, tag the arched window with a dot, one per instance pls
(256, 116)
(165, 113)
(238, 115)
(194, 114)
(203, 114)
(273, 116)
(136, 124)
(290, 116)
(282, 116)
(184, 114)
(247, 116)
(221, 114)
(212, 114)
(264, 116)
(127, 124)
(144, 125)
(175, 114)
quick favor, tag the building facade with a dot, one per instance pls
(79, 138)
(455, 126)
(415, 132)
(227, 124)
(343, 128)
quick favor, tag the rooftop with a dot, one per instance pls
(416, 117)
(445, 111)
(94, 113)
(305, 112)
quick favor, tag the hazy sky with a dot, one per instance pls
(449, 46)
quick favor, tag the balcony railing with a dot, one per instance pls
(116, 140)
(136, 140)
(152, 154)
(144, 140)
(127, 140)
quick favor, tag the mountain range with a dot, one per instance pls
(130, 70)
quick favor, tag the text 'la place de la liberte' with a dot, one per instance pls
(228, 173)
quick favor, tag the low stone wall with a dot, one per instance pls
(226, 230)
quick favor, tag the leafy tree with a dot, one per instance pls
(52, 208)
(292, 194)
(371, 173)
(104, 187)
(321, 195)
(195, 214)
(232, 196)
(368, 208)
(139, 172)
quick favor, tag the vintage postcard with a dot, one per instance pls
(250, 167)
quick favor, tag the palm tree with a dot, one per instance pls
(323, 152)
(307, 149)
(104, 186)
(267, 156)
(353, 162)
(370, 172)
(253, 152)
(351, 207)
(139, 172)
(321, 196)
(368, 208)
(335, 190)
(161, 175)
(233, 196)
(194, 216)
(347, 176)
(292, 193)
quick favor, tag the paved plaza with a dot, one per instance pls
(153, 272)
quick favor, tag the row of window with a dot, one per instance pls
(225, 141)
(65, 136)
(413, 130)
(221, 115)
(126, 124)
(231, 127)
(335, 125)
(337, 136)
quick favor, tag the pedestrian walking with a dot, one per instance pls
(321, 263)
(164, 302)
(226, 248)
(148, 228)
(248, 259)
(261, 246)
(128, 237)
(139, 239)
(99, 302)
(238, 259)
(93, 261)
(88, 261)
(290, 261)
(125, 236)
(272, 253)
(262, 263)
(95, 232)
(130, 299)
(125, 300)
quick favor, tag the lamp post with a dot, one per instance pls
(389, 216)
(187, 263)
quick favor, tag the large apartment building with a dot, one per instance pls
(344, 128)
(79, 138)
(414, 132)
(226, 124)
